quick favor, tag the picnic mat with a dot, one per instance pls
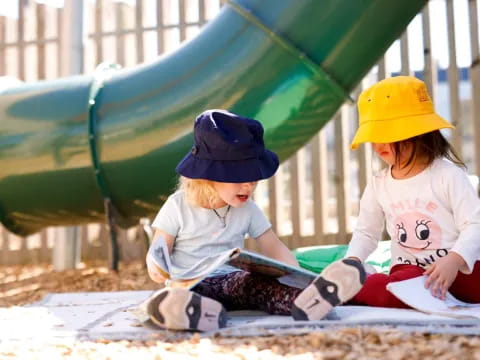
(107, 315)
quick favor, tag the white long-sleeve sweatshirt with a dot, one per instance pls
(426, 216)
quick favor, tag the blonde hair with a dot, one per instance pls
(198, 192)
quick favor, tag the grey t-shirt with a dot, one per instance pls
(199, 232)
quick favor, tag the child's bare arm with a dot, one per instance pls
(270, 245)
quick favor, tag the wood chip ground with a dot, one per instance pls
(21, 285)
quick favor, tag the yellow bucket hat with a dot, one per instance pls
(396, 109)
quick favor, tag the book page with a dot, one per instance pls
(413, 293)
(158, 252)
(206, 265)
(247, 261)
(284, 273)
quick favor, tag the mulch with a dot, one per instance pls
(21, 285)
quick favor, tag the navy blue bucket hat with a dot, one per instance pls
(228, 148)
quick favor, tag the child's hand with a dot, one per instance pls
(442, 274)
(154, 271)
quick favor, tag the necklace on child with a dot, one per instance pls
(223, 219)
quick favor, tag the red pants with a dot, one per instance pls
(374, 292)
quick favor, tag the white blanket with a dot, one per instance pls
(106, 315)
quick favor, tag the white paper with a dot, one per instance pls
(413, 293)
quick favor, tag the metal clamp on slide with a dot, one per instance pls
(102, 73)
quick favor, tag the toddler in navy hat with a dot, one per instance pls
(228, 148)
(211, 212)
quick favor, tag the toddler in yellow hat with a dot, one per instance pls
(423, 198)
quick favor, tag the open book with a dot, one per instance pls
(413, 293)
(236, 257)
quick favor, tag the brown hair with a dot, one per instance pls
(431, 145)
(198, 192)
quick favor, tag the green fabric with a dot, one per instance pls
(316, 258)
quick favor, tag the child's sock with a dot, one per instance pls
(181, 309)
(337, 283)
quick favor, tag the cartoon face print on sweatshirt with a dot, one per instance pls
(415, 232)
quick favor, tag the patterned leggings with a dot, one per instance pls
(242, 290)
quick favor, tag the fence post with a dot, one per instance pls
(453, 81)
(66, 252)
(342, 170)
(475, 82)
(73, 34)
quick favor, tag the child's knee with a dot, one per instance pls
(374, 293)
(405, 272)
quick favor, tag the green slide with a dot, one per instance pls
(72, 145)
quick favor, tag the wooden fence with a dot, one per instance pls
(313, 199)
